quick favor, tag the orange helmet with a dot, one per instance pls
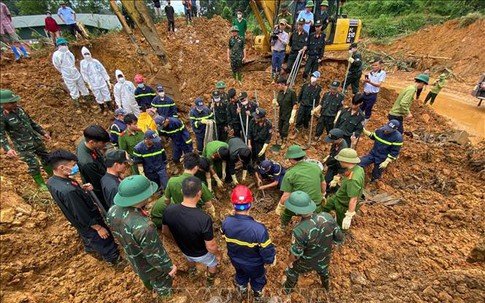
(139, 79)
(241, 197)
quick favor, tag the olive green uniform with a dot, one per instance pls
(25, 134)
(286, 100)
(352, 185)
(127, 142)
(236, 47)
(304, 176)
(312, 241)
(139, 238)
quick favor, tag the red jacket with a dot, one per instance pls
(51, 25)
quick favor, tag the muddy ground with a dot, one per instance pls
(414, 251)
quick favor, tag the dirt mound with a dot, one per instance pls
(415, 251)
(461, 45)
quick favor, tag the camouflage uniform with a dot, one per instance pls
(236, 45)
(312, 240)
(139, 238)
(25, 134)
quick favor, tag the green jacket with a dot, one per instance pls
(139, 238)
(438, 85)
(174, 190)
(313, 237)
(402, 105)
(127, 140)
(211, 148)
(24, 132)
(351, 186)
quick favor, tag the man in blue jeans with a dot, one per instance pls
(279, 40)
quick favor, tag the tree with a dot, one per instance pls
(12, 7)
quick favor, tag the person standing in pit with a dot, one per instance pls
(372, 85)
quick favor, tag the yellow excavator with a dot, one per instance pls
(340, 33)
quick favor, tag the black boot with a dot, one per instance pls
(325, 282)
(103, 109)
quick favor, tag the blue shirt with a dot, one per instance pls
(152, 158)
(67, 14)
(196, 117)
(115, 131)
(308, 16)
(165, 107)
(386, 145)
(277, 172)
(177, 131)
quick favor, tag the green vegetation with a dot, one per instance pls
(470, 18)
(389, 18)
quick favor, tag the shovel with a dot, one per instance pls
(276, 148)
(309, 145)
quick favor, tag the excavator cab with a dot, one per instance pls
(340, 32)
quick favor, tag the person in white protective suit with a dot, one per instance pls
(97, 78)
(64, 62)
(124, 92)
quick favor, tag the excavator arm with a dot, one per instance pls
(270, 10)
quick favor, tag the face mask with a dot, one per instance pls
(313, 80)
(63, 48)
(121, 80)
(74, 170)
(141, 85)
(161, 94)
(88, 57)
(245, 102)
(239, 16)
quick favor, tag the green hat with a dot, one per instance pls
(294, 152)
(7, 96)
(309, 4)
(234, 29)
(133, 190)
(324, 3)
(423, 77)
(442, 76)
(220, 84)
(300, 203)
(348, 155)
(60, 41)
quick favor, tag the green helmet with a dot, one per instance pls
(220, 84)
(324, 2)
(133, 190)
(348, 155)
(300, 203)
(443, 76)
(7, 96)
(234, 29)
(294, 152)
(423, 77)
(60, 41)
(309, 4)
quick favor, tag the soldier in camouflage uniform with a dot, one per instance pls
(26, 135)
(138, 236)
(312, 241)
(236, 53)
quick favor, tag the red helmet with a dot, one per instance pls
(241, 195)
(139, 78)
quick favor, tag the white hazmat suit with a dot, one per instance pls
(124, 93)
(64, 62)
(96, 77)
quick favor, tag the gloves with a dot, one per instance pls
(209, 183)
(292, 117)
(224, 170)
(325, 159)
(316, 110)
(263, 150)
(245, 173)
(219, 182)
(279, 209)
(367, 133)
(335, 181)
(385, 163)
(274, 262)
(211, 211)
(234, 180)
(205, 121)
(348, 219)
(275, 102)
(351, 60)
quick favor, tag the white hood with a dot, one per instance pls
(118, 73)
(85, 50)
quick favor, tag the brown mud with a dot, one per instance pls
(415, 251)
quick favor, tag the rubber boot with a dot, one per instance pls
(295, 133)
(325, 282)
(210, 278)
(192, 271)
(48, 170)
(242, 290)
(77, 106)
(257, 296)
(24, 52)
(16, 53)
(283, 143)
(39, 181)
(103, 109)
(239, 78)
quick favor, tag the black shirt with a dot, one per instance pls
(92, 168)
(298, 40)
(109, 184)
(332, 103)
(169, 12)
(350, 124)
(316, 45)
(260, 133)
(74, 202)
(233, 116)
(190, 228)
(308, 93)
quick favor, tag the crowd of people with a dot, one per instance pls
(127, 167)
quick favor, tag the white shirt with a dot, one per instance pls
(377, 78)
